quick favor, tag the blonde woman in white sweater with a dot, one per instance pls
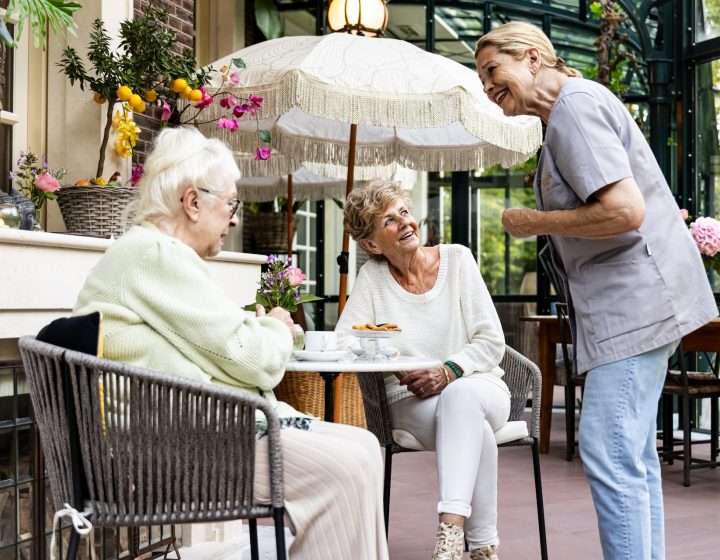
(161, 311)
(438, 298)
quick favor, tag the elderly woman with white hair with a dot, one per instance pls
(438, 298)
(161, 311)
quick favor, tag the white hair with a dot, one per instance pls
(182, 157)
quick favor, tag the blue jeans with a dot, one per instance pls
(617, 447)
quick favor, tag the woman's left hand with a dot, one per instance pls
(423, 382)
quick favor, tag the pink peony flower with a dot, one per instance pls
(46, 182)
(228, 102)
(295, 276)
(206, 99)
(684, 214)
(706, 233)
(262, 154)
(230, 124)
(166, 110)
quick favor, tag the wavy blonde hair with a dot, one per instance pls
(364, 205)
(516, 37)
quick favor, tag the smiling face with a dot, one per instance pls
(508, 81)
(396, 232)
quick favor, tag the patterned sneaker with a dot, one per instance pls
(449, 542)
(485, 553)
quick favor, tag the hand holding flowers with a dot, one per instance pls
(280, 287)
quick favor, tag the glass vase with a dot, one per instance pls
(298, 337)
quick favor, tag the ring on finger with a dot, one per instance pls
(422, 389)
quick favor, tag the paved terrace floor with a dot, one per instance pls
(692, 514)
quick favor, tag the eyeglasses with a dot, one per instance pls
(233, 204)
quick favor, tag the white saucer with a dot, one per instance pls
(375, 334)
(319, 356)
(388, 351)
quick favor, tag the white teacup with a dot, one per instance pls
(320, 341)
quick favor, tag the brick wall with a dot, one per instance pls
(182, 21)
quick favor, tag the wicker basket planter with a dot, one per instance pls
(265, 232)
(95, 210)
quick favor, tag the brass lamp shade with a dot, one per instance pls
(360, 17)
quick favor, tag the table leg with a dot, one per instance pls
(329, 395)
(546, 359)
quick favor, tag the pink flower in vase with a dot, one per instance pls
(46, 182)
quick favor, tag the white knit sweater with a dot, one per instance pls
(456, 320)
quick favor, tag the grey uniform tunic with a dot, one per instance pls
(636, 291)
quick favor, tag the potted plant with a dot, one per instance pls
(144, 70)
(265, 226)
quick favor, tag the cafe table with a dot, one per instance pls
(329, 371)
(549, 337)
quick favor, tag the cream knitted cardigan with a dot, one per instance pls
(456, 320)
(161, 311)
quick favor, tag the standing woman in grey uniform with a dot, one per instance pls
(636, 281)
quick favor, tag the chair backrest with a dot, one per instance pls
(154, 448)
(521, 376)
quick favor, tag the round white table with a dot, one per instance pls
(330, 370)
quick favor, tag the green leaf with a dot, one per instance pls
(267, 18)
(304, 298)
(5, 34)
(239, 63)
(265, 136)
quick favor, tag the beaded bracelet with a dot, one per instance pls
(456, 369)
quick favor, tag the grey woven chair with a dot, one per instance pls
(521, 376)
(135, 447)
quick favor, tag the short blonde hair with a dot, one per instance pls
(516, 37)
(364, 205)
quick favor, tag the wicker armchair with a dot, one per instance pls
(521, 375)
(135, 447)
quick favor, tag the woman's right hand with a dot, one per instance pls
(276, 313)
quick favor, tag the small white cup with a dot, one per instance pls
(320, 341)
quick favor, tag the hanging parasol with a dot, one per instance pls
(387, 83)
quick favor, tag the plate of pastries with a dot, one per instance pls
(381, 330)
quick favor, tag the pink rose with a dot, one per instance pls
(46, 182)
(262, 154)
(706, 233)
(684, 214)
(295, 276)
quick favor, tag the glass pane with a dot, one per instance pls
(708, 141)
(707, 18)
(7, 455)
(7, 553)
(25, 452)
(25, 551)
(7, 516)
(25, 513)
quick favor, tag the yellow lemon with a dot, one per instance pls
(178, 85)
(135, 100)
(98, 98)
(195, 95)
(150, 95)
(124, 93)
(185, 94)
(140, 107)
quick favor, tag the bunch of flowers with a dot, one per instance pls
(145, 70)
(705, 232)
(34, 180)
(280, 286)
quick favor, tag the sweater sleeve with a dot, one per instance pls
(486, 346)
(170, 289)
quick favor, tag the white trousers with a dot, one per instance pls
(333, 477)
(458, 424)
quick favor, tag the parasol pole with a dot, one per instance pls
(343, 260)
(290, 218)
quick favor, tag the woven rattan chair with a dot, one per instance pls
(689, 386)
(134, 447)
(521, 375)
